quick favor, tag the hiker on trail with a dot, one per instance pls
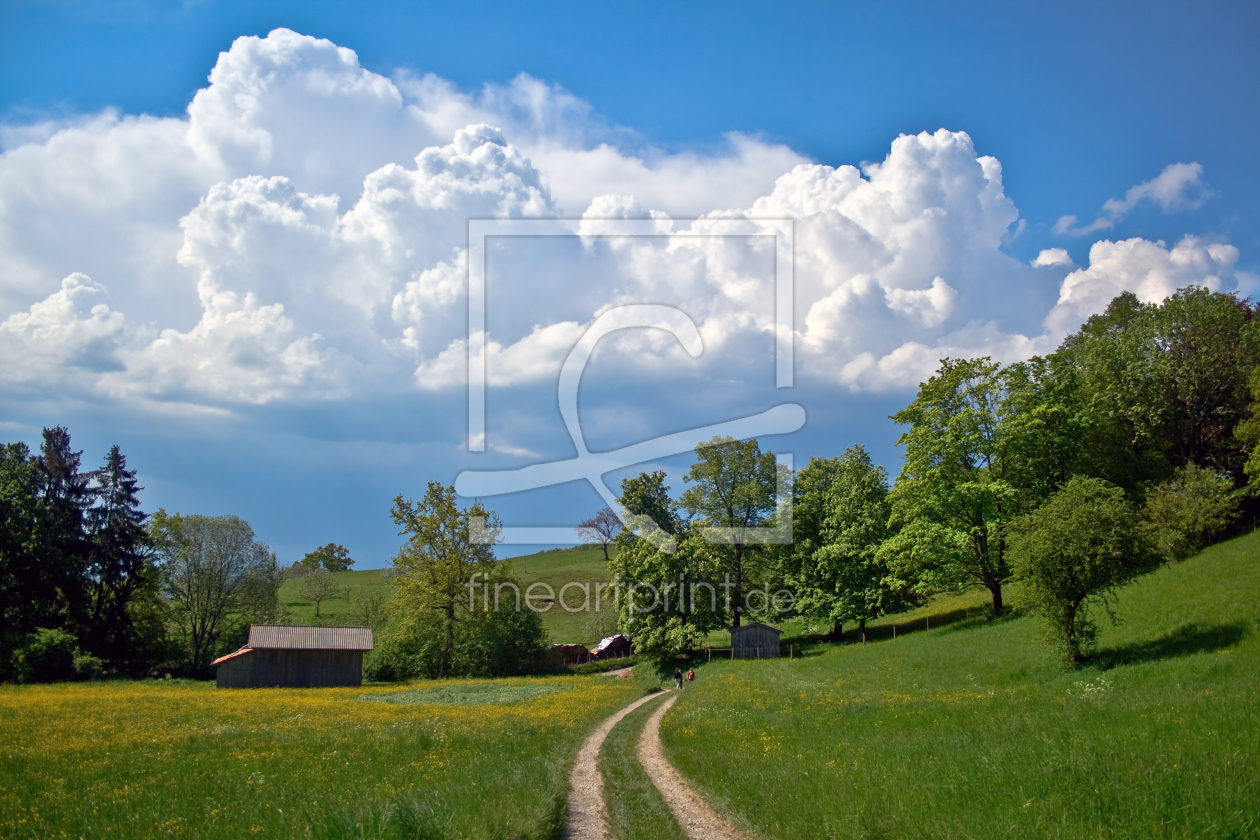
(678, 679)
(691, 675)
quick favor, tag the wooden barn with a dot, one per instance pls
(754, 641)
(613, 647)
(296, 657)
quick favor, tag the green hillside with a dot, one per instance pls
(973, 729)
(557, 567)
(329, 611)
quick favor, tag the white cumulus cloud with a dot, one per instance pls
(301, 233)
(1178, 187)
(1150, 270)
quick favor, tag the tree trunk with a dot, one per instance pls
(1069, 636)
(837, 632)
(995, 587)
(739, 590)
(605, 552)
(862, 628)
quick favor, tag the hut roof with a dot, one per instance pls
(288, 637)
(603, 645)
(750, 625)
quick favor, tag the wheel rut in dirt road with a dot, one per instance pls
(588, 812)
(697, 820)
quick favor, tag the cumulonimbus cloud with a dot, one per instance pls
(300, 234)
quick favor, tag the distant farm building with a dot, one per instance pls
(613, 647)
(296, 657)
(754, 641)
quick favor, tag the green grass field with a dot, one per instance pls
(969, 729)
(449, 759)
(973, 729)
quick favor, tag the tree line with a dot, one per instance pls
(1131, 445)
(91, 586)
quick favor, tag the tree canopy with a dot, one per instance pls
(1073, 552)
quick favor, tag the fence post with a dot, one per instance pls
(929, 622)
(894, 632)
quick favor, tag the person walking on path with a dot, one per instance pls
(691, 675)
(678, 679)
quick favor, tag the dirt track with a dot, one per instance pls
(588, 813)
(697, 819)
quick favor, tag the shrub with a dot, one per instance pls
(1185, 512)
(88, 667)
(46, 656)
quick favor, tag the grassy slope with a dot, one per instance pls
(584, 564)
(132, 760)
(304, 611)
(971, 729)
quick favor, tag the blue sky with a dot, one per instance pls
(699, 108)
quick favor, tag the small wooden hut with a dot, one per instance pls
(297, 657)
(754, 641)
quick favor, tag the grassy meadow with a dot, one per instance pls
(968, 728)
(973, 729)
(466, 759)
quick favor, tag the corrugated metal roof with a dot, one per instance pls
(309, 638)
(750, 625)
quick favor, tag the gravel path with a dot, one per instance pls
(697, 819)
(588, 813)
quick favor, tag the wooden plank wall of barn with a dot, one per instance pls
(293, 668)
(755, 642)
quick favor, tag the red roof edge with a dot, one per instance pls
(232, 655)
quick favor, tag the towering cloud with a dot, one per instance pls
(300, 235)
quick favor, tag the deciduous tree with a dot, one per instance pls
(954, 496)
(318, 586)
(1167, 384)
(443, 609)
(845, 577)
(736, 488)
(1185, 512)
(209, 565)
(602, 528)
(333, 557)
(1073, 552)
